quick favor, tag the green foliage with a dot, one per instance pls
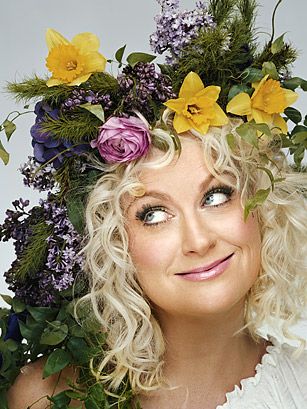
(282, 58)
(76, 344)
(257, 200)
(76, 195)
(220, 56)
(77, 127)
(27, 265)
(35, 88)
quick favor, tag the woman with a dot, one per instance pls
(186, 283)
(196, 227)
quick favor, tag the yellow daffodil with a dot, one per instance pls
(196, 107)
(72, 63)
(266, 104)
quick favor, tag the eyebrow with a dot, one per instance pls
(164, 196)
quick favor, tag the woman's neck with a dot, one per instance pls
(205, 359)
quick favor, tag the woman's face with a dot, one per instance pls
(188, 220)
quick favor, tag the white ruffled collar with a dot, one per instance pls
(266, 360)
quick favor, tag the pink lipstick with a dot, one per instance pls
(206, 272)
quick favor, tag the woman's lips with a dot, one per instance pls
(206, 272)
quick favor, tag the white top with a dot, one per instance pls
(280, 382)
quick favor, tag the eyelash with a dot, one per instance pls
(146, 208)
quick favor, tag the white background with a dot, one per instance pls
(115, 22)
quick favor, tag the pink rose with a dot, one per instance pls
(122, 139)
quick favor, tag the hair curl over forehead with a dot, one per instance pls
(135, 345)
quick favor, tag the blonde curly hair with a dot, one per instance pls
(135, 345)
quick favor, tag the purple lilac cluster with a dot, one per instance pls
(176, 29)
(82, 96)
(38, 177)
(142, 86)
(62, 262)
(46, 147)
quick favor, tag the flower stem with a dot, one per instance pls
(273, 21)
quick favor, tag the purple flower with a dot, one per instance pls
(122, 139)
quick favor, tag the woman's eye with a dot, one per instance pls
(152, 216)
(216, 197)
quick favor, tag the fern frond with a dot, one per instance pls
(78, 127)
(27, 265)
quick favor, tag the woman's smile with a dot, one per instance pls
(207, 272)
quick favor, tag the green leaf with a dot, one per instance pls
(269, 173)
(119, 54)
(97, 392)
(57, 360)
(4, 155)
(248, 133)
(61, 400)
(305, 121)
(231, 141)
(74, 394)
(258, 199)
(3, 400)
(42, 314)
(252, 75)
(7, 298)
(96, 110)
(278, 44)
(134, 58)
(25, 331)
(79, 349)
(293, 114)
(263, 128)
(54, 333)
(299, 156)
(91, 404)
(76, 210)
(269, 67)
(299, 137)
(294, 83)
(237, 89)
(12, 345)
(9, 128)
(18, 305)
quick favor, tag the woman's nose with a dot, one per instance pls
(196, 234)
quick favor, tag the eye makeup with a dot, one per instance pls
(215, 197)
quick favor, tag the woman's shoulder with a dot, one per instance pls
(280, 381)
(30, 387)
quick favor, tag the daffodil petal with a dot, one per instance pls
(257, 85)
(191, 85)
(80, 80)
(177, 105)
(54, 39)
(261, 117)
(220, 118)
(201, 128)
(211, 92)
(240, 104)
(290, 96)
(181, 124)
(279, 121)
(53, 82)
(86, 42)
(95, 62)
